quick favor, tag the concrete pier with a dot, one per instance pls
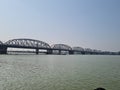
(3, 49)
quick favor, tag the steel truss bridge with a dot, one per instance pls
(37, 45)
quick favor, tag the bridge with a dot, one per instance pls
(37, 45)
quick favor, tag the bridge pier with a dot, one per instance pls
(59, 52)
(3, 50)
(118, 53)
(37, 51)
(83, 52)
(49, 51)
(71, 52)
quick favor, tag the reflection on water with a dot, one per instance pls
(49, 72)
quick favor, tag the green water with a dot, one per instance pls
(64, 72)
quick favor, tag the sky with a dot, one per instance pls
(86, 23)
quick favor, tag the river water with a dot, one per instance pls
(59, 72)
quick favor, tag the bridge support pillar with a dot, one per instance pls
(3, 50)
(118, 53)
(59, 52)
(49, 51)
(71, 52)
(37, 51)
(83, 52)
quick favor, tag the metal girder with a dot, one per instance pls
(27, 43)
(61, 47)
(78, 48)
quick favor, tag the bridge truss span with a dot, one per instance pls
(43, 47)
(78, 49)
(61, 47)
(30, 43)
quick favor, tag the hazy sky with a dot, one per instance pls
(86, 23)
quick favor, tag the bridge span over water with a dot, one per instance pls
(41, 45)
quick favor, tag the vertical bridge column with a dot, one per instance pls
(49, 51)
(37, 51)
(83, 52)
(59, 52)
(3, 49)
(71, 52)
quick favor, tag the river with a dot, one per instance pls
(59, 72)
